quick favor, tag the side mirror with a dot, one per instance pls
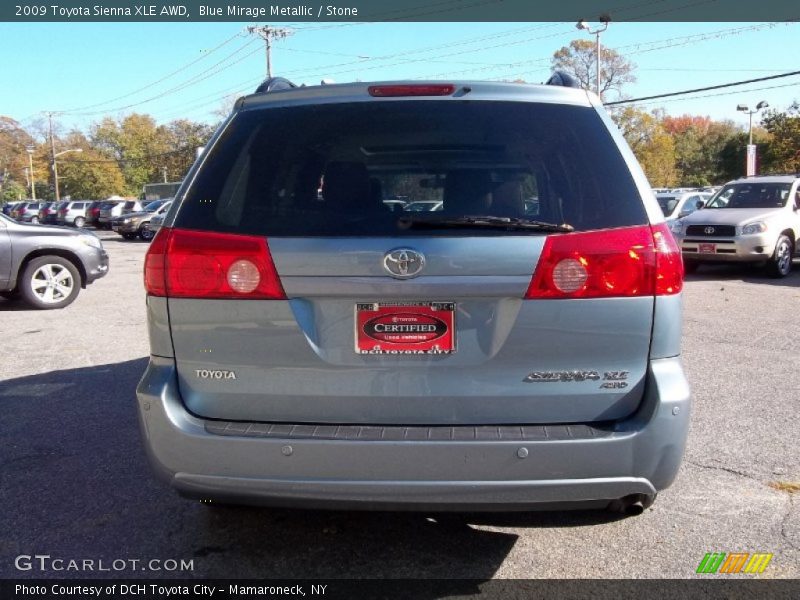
(700, 204)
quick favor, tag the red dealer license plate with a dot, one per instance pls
(707, 248)
(405, 328)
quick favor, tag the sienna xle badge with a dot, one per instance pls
(317, 340)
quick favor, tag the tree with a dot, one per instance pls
(89, 174)
(653, 146)
(137, 143)
(14, 141)
(184, 137)
(13, 191)
(580, 58)
(782, 152)
(698, 147)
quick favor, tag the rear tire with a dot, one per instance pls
(79, 222)
(50, 282)
(780, 264)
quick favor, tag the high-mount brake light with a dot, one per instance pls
(202, 264)
(423, 89)
(625, 262)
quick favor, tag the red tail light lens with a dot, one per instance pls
(202, 264)
(669, 262)
(633, 261)
(155, 270)
(389, 91)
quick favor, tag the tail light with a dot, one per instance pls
(632, 261)
(201, 264)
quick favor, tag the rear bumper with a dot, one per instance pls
(638, 455)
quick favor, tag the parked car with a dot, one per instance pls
(27, 212)
(93, 213)
(157, 221)
(47, 266)
(73, 213)
(8, 207)
(750, 220)
(116, 208)
(324, 351)
(137, 224)
(47, 212)
(676, 206)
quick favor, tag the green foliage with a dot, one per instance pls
(653, 146)
(13, 191)
(782, 153)
(699, 142)
(132, 141)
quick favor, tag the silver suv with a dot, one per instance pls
(73, 213)
(751, 220)
(47, 266)
(320, 349)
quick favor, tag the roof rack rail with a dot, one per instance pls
(563, 79)
(274, 84)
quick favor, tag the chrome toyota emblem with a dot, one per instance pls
(403, 263)
(709, 230)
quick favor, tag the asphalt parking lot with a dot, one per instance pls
(75, 483)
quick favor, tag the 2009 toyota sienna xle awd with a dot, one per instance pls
(515, 348)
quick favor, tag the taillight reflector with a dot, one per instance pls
(201, 264)
(631, 261)
(387, 91)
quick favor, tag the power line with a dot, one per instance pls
(188, 83)
(758, 89)
(156, 82)
(704, 89)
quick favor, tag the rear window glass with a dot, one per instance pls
(359, 169)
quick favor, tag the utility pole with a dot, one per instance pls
(268, 34)
(53, 154)
(30, 150)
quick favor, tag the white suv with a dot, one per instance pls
(753, 219)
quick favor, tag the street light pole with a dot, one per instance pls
(30, 149)
(55, 167)
(605, 19)
(750, 168)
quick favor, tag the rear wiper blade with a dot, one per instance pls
(481, 221)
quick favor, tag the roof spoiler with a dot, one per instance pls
(274, 84)
(563, 79)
